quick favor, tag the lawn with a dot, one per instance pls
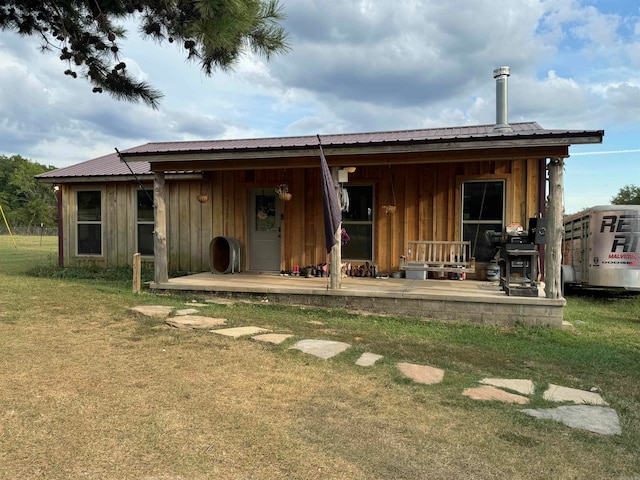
(89, 391)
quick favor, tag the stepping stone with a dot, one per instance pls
(557, 393)
(323, 349)
(488, 392)
(186, 311)
(524, 387)
(155, 311)
(195, 322)
(603, 420)
(421, 373)
(196, 304)
(275, 338)
(367, 359)
(239, 331)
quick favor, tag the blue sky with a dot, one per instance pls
(355, 66)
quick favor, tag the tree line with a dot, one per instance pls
(25, 201)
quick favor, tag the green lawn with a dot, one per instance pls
(88, 391)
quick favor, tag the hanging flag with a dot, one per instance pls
(330, 203)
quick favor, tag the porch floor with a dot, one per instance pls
(448, 300)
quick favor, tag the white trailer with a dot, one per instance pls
(601, 247)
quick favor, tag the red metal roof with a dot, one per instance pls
(105, 166)
(111, 166)
(474, 131)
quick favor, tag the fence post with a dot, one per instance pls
(137, 266)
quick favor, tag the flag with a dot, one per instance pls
(330, 203)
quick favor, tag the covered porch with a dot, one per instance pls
(480, 302)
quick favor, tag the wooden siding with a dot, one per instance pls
(428, 199)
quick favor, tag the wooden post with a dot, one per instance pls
(161, 271)
(137, 267)
(555, 230)
(335, 262)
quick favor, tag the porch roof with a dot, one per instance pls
(525, 134)
(473, 137)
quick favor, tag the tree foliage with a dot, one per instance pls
(25, 201)
(627, 195)
(86, 34)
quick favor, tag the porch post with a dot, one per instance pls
(555, 230)
(335, 260)
(161, 271)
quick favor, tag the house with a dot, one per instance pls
(445, 184)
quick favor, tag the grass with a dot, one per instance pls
(88, 391)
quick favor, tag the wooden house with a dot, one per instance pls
(175, 202)
(443, 184)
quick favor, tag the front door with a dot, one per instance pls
(264, 231)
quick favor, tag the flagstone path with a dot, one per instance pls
(196, 322)
(589, 410)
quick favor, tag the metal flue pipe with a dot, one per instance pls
(502, 122)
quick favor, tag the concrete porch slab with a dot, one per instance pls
(444, 300)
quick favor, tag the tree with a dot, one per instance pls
(85, 34)
(26, 201)
(628, 195)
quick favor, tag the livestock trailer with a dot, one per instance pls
(600, 247)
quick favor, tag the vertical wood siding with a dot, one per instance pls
(428, 201)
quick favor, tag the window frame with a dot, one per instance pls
(505, 185)
(79, 222)
(370, 223)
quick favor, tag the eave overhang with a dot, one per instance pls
(536, 142)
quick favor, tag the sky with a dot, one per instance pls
(360, 66)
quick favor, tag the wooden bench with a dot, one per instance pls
(438, 256)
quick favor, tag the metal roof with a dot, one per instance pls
(105, 166)
(429, 134)
(111, 166)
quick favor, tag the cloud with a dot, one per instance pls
(355, 65)
(406, 52)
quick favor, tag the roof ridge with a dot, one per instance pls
(378, 132)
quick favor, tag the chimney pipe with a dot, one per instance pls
(502, 123)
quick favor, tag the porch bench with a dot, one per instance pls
(438, 256)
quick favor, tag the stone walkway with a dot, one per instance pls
(588, 410)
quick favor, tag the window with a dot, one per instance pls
(145, 221)
(482, 210)
(266, 213)
(357, 220)
(89, 222)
